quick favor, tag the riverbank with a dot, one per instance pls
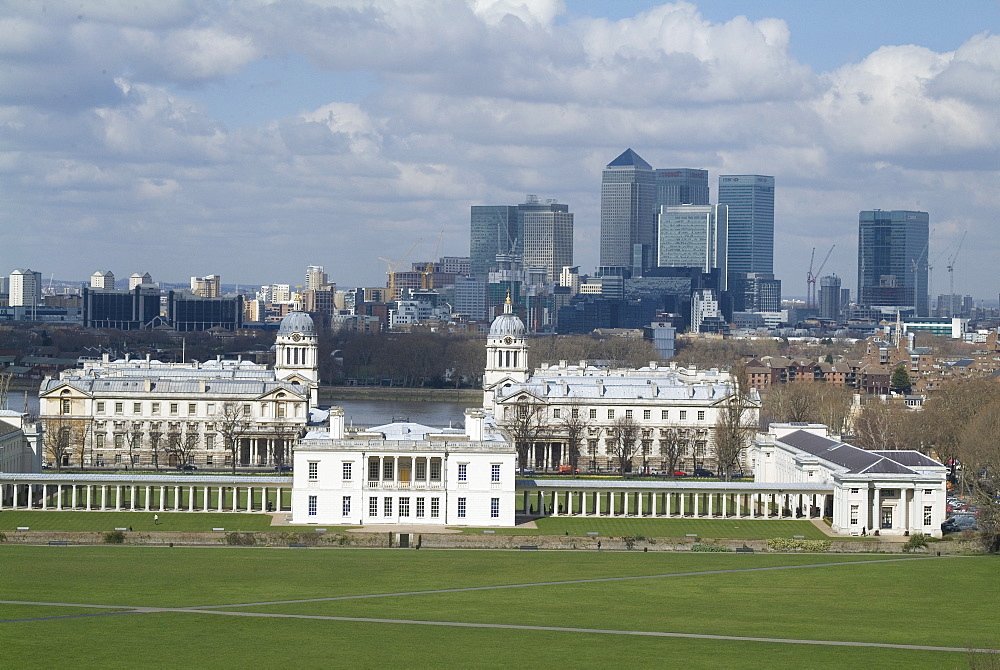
(333, 393)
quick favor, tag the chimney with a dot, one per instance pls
(475, 421)
(336, 423)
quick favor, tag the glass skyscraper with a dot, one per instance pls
(628, 226)
(680, 186)
(892, 259)
(494, 232)
(547, 232)
(694, 236)
(750, 198)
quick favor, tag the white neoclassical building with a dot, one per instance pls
(20, 443)
(888, 492)
(404, 473)
(132, 412)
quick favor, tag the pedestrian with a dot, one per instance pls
(156, 519)
(598, 545)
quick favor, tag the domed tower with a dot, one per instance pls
(506, 354)
(297, 350)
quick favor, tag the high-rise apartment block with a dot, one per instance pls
(103, 279)
(207, 287)
(751, 221)
(892, 260)
(139, 279)
(681, 186)
(628, 225)
(694, 236)
(829, 297)
(25, 288)
(316, 278)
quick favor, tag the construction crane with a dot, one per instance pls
(811, 277)
(392, 266)
(951, 276)
(427, 276)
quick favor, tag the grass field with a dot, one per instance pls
(706, 528)
(390, 596)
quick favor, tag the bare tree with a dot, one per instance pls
(979, 453)
(524, 423)
(674, 443)
(736, 423)
(157, 445)
(879, 424)
(182, 446)
(79, 429)
(574, 426)
(5, 380)
(59, 440)
(282, 435)
(623, 440)
(946, 414)
(233, 422)
(132, 439)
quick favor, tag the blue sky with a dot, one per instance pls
(252, 139)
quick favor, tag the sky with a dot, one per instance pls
(252, 138)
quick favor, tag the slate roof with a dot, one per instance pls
(854, 459)
(629, 158)
(619, 388)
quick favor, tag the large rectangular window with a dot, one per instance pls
(347, 471)
(373, 506)
(119, 408)
(593, 413)
(463, 472)
(388, 467)
(313, 471)
(312, 505)
(404, 507)
(192, 409)
(420, 470)
(372, 470)
(346, 506)
(495, 472)
(494, 508)
(928, 516)
(387, 506)
(100, 408)
(854, 515)
(420, 507)
(435, 508)
(461, 508)
(435, 471)
(137, 408)
(664, 414)
(646, 414)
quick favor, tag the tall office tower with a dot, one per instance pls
(316, 278)
(751, 221)
(680, 186)
(138, 279)
(207, 287)
(892, 260)
(547, 229)
(628, 227)
(694, 236)
(829, 297)
(25, 288)
(103, 279)
(494, 232)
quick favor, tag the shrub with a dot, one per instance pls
(709, 547)
(812, 546)
(114, 537)
(916, 541)
(3, 538)
(241, 539)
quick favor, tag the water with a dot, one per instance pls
(368, 413)
(15, 401)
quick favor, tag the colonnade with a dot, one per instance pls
(669, 503)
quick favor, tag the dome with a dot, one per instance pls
(297, 322)
(507, 323)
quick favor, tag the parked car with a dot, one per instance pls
(282, 468)
(702, 472)
(187, 466)
(567, 470)
(527, 471)
(680, 473)
(959, 522)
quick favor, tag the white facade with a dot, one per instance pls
(874, 492)
(404, 473)
(20, 443)
(25, 288)
(103, 279)
(694, 236)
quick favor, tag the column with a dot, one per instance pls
(874, 492)
(222, 496)
(711, 500)
(148, 496)
(207, 490)
(163, 495)
(569, 503)
(683, 504)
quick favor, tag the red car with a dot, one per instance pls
(680, 473)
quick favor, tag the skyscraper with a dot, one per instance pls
(494, 232)
(750, 198)
(680, 186)
(892, 259)
(103, 279)
(25, 288)
(316, 277)
(694, 236)
(628, 230)
(829, 297)
(547, 232)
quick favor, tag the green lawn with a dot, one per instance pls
(848, 598)
(139, 521)
(740, 529)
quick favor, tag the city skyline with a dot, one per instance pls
(238, 139)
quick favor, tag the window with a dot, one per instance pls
(611, 414)
(701, 415)
(280, 410)
(100, 407)
(373, 470)
(928, 492)
(646, 414)
(494, 508)
(347, 471)
(192, 409)
(854, 515)
(119, 440)
(174, 409)
(461, 508)
(137, 408)
(854, 490)
(155, 409)
(663, 414)
(345, 506)
(373, 506)
(463, 474)
(886, 518)
(313, 471)
(210, 408)
(928, 516)
(495, 472)
(575, 413)
(436, 471)
(556, 412)
(684, 415)
(421, 470)
(99, 440)
(387, 507)
(246, 410)
(312, 505)
(593, 414)
(208, 460)
(435, 508)
(118, 459)
(628, 414)
(119, 406)
(135, 459)
(404, 507)
(210, 441)
(387, 469)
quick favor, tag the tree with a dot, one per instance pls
(946, 414)
(574, 427)
(61, 436)
(899, 381)
(182, 446)
(233, 422)
(524, 424)
(157, 445)
(282, 434)
(79, 428)
(674, 443)
(132, 439)
(5, 380)
(979, 453)
(879, 425)
(623, 440)
(736, 423)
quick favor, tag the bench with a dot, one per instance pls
(592, 532)
(798, 537)
(692, 535)
(23, 528)
(489, 532)
(297, 545)
(528, 547)
(58, 543)
(218, 529)
(320, 530)
(744, 550)
(123, 528)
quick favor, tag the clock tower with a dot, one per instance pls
(506, 355)
(296, 351)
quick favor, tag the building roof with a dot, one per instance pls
(297, 322)
(619, 388)
(629, 158)
(856, 460)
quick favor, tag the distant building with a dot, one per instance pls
(316, 278)
(188, 312)
(209, 286)
(25, 288)
(547, 231)
(892, 260)
(750, 198)
(103, 279)
(494, 232)
(694, 236)
(829, 297)
(680, 186)
(138, 279)
(136, 309)
(628, 224)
